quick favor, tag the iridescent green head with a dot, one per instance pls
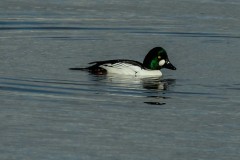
(156, 59)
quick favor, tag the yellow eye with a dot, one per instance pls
(159, 57)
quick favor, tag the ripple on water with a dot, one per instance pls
(98, 89)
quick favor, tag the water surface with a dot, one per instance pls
(50, 112)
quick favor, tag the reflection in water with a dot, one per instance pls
(150, 83)
(153, 83)
(154, 103)
(148, 87)
(157, 84)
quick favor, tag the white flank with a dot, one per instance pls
(129, 69)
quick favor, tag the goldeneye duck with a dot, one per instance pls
(155, 60)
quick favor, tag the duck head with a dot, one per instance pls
(157, 59)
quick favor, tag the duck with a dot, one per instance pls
(154, 61)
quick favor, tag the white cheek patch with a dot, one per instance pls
(161, 63)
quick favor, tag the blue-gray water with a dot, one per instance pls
(50, 112)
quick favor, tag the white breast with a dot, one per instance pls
(149, 73)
